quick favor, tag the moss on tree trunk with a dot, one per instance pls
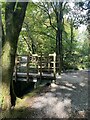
(6, 76)
(14, 16)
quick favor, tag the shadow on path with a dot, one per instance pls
(68, 99)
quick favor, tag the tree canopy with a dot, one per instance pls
(40, 28)
(44, 27)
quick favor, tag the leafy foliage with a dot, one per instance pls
(38, 35)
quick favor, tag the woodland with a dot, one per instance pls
(42, 28)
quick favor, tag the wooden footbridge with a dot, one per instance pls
(30, 68)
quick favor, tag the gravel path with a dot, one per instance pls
(67, 99)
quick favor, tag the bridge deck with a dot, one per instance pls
(23, 76)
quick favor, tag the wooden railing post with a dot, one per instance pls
(54, 65)
(40, 67)
(38, 64)
(48, 62)
(27, 68)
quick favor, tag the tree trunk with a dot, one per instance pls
(7, 71)
(72, 36)
(0, 57)
(14, 17)
(59, 54)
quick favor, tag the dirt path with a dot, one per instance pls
(68, 99)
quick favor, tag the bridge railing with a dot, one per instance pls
(36, 65)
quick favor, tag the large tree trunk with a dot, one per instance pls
(59, 52)
(72, 36)
(7, 71)
(0, 57)
(14, 16)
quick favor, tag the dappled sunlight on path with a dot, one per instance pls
(69, 98)
(52, 105)
(66, 99)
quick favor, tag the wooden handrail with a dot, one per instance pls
(41, 64)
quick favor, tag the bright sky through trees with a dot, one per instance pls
(82, 28)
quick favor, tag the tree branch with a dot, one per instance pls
(64, 5)
(49, 16)
(43, 33)
(29, 47)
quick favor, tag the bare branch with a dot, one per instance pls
(29, 47)
(46, 9)
(54, 8)
(64, 5)
(28, 30)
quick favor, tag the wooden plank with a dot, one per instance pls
(35, 55)
(21, 79)
(40, 65)
(33, 75)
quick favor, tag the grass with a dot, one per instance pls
(35, 92)
(22, 102)
(20, 109)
